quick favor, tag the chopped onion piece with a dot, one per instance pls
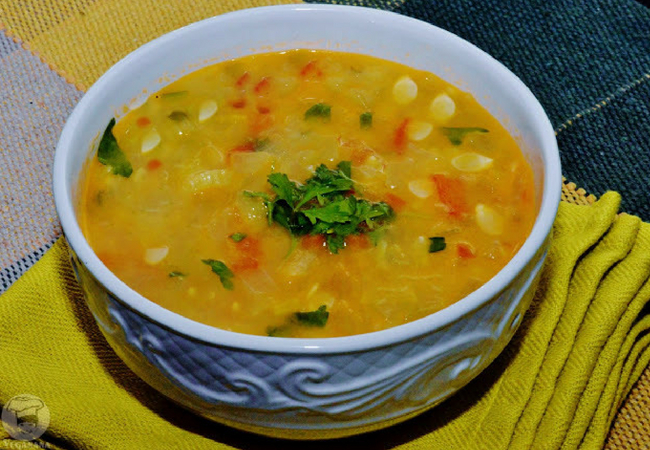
(298, 263)
(442, 107)
(471, 162)
(490, 221)
(153, 256)
(405, 90)
(418, 131)
(208, 179)
(421, 188)
(150, 141)
(207, 110)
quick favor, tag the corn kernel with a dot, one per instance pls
(418, 130)
(488, 220)
(471, 162)
(405, 90)
(442, 107)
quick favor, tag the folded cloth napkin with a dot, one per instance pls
(581, 347)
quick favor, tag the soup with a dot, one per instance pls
(307, 194)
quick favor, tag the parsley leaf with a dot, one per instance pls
(365, 120)
(340, 211)
(238, 237)
(321, 110)
(456, 135)
(316, 318)
(285, 190)
(110, 154)
(345, 167)
(326, 181)
(437, 244)
(335, 242)
(225, 274)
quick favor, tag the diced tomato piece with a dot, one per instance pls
(143, 122)
(311, 70)
(263, 86)
(465, 251)
(263, 109)
(238, 103)
(248, 254)
(153, 164)
(245, 263)
(358, 241)
(400, 138)
(313, 242)
(243, 148)
(451, 192)
(395, 202)
(242, 80)
(260, 122)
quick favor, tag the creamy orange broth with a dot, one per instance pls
(185, 198)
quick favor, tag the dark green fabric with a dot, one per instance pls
(573, 55)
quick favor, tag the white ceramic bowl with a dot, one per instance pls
(310, 388)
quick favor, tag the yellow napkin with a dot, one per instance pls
(559, 383)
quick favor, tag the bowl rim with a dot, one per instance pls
(64, 202)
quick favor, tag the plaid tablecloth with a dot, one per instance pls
(587, 61)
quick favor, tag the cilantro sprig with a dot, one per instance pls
(324, 204)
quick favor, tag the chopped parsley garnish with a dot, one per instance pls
(316, 318)
(176, 274)
(177, 116)
(321, 110)
(323, 205)
(365, 120)
(437, 244)
(456, 135)
(238, 237)
(110, 154)
(225, 274)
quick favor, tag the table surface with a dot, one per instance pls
(587, 61)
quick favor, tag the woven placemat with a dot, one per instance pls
(48, 57)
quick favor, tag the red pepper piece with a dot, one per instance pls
(451, 192)
(400, 138)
